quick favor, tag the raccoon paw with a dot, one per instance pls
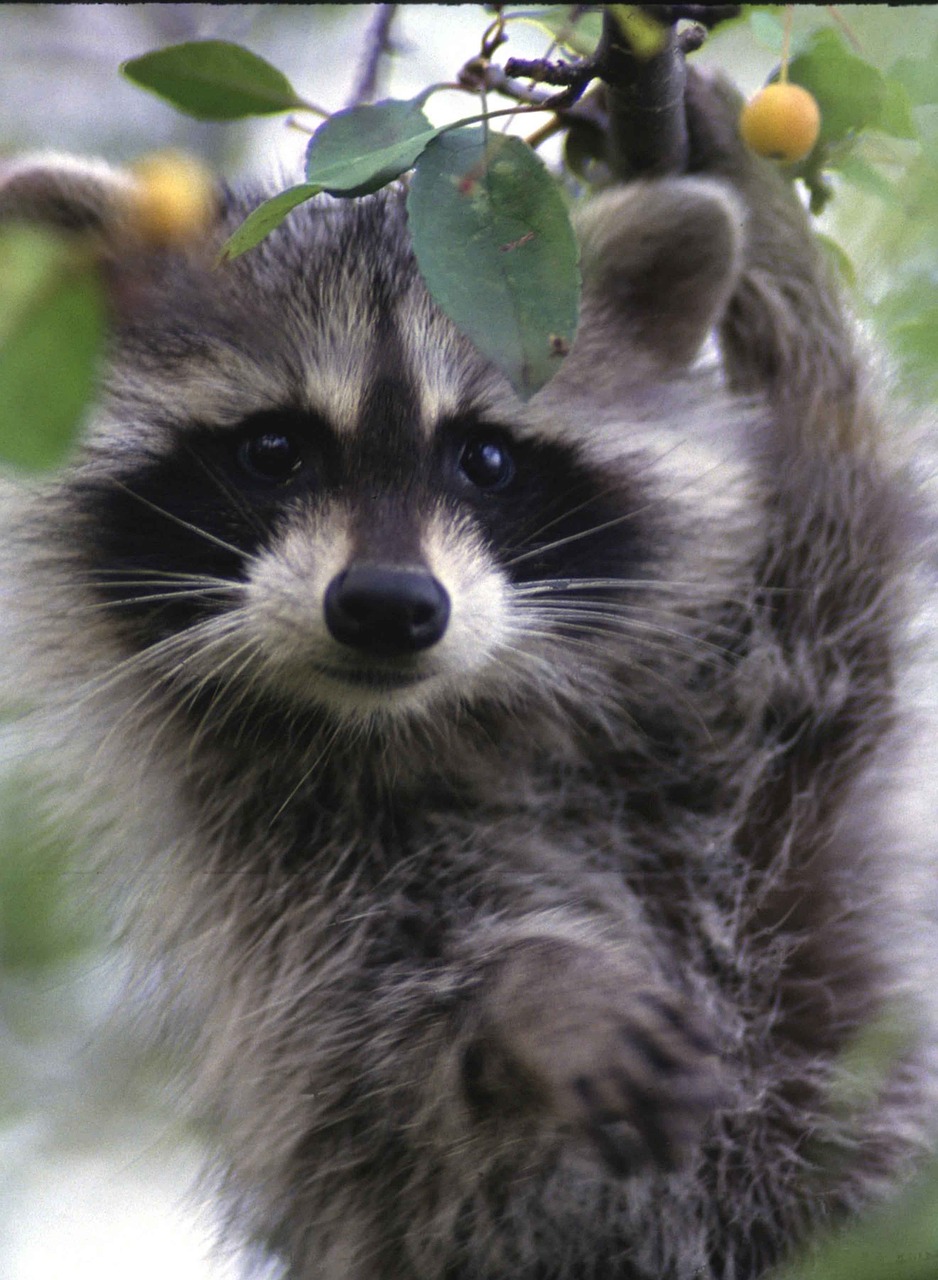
(644, 1090)
(630, 1069)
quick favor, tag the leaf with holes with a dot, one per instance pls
(214, 80)
(353, 153)
(496, 249)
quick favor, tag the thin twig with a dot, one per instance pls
(378, 43)
(845, 27)
(545, 71)
(492, 78)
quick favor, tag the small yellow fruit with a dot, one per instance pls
(781, 122)
(172, 200)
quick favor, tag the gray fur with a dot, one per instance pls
(540, 968)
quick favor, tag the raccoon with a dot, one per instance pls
(506, 800)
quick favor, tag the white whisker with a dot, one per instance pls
(598, 495)
(184, 524)
(615, 612)
(308, 773)
(137, 574)
(624, 624)
(548, 547)
(228, 683)
(183, 593)
(144, 659)
(198, 646)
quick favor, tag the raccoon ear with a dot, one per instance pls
(64, 192)
(660, 261)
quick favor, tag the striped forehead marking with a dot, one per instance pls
(445, 368)
(338, 363)
(360, 374)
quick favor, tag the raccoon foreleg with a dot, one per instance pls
(827, 604)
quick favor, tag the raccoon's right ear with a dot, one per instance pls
(65, 193)
(660, 261)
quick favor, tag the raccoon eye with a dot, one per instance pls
(487, 462)
(270, 455)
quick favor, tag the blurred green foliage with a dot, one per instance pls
(52, 319)
(38, 927)
(881, 166)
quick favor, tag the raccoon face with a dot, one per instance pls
(306, 485)
(371, 570)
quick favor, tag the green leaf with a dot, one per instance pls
(839, 259)
(766, 27)
(916, 341)
(265, 218)
(865, 176)
(896, 1242)
(496, 249)
(895, 117)
(919, 76)
(644, 35)
(52, 322)
(353, 153)
(364, 148)
(852, 94)
(214, 80)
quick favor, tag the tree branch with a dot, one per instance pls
(644, 95)
(378, 43)
(645, 100)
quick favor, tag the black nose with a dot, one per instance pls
(386, 610)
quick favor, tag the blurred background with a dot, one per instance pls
(95, 1166)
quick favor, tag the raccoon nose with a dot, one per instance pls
(386, 610)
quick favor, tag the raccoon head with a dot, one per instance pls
(303, 484)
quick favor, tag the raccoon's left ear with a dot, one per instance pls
(660, 261)
(166, 205)
(65, 193)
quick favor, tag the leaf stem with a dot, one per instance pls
(786, 43)
(303, 105)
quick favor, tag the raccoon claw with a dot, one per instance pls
(648, 1090)
(653, 1126)
(590, 1046)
